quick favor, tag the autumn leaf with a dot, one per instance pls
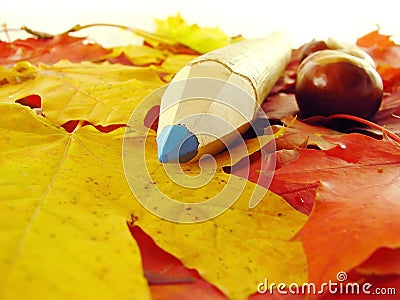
(280, 105)
(170, 60)
(297, 135)
(84, 213)
(167, 276)
(201, 39)
(64, 204)
(50, 50)
(347, 223)
(386, 54)
(389, 114)
(173, 64)
(137, 55)
(241, 246)
(384, 261)
(69, 91)
(381, 48)
(76, 91)
(263, 233)
(176, 36)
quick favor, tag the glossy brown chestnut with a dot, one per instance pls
(332, 44)
(311, 48)
(335, 82)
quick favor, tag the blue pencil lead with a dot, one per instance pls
(176, 144)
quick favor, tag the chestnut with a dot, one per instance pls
(332, 44)
(312, 47)
(337, 82)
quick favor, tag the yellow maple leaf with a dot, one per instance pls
(102, 94)
(174, 63)
(175, 30)
(201, 39)
(235, 250)
(69, 201)
(64, 207)
(139, 55)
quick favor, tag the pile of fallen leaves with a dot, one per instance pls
(71, 228)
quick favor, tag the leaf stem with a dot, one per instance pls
(78, 27)
(155, 36)
(390, 134)
(39, 34)
(5, 30)
(395, 116)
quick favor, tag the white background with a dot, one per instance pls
(302, 19)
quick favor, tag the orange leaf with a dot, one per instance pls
(167, 276)
(356, 209)
(71, 91)
(384, 261)
(298, 134)
(386, 55)
(50, 50)
(389, 113)
(375, 40)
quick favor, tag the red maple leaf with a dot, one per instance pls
(50, 50)
(386, 55)
(356, 207)
(167, 276)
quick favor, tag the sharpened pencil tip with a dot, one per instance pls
(176, 144)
